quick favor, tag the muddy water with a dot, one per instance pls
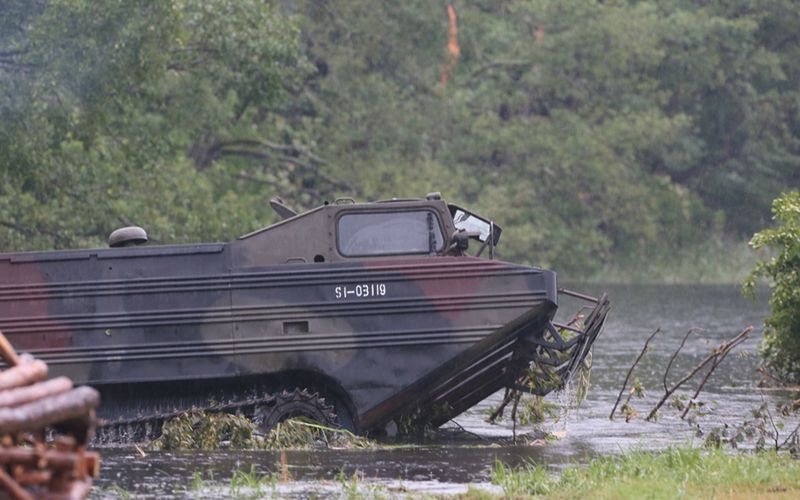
(457, 457)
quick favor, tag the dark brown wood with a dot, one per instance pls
(27, 394)
(23, 374)
(28, 406)
(16, 491)
(34, 477)
(498, 412)
(85, 463)
(38, 414)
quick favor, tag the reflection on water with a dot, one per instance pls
(458, 457)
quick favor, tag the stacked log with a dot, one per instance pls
(45, 426)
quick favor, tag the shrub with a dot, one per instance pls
(781, 347)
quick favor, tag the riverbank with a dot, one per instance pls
(675, 472)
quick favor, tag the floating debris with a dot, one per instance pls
(205, 430)
(303, 433)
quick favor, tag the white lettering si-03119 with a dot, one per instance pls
(360, 291)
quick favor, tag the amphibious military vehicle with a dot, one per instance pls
(360, 314)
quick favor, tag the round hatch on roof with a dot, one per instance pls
(127, 237)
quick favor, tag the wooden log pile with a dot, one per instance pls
(45, 426)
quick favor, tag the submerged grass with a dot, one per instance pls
(209, 431)
(242, 484)
(203, 430)
(253, 484)
(300, 433)
(675, 472)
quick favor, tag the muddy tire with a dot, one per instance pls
(295, 403)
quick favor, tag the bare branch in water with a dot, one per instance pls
(675, 355)
(717, 355)
(721, 353)
(630, 371)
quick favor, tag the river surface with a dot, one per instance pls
(465, 453)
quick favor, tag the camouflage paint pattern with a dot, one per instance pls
(280, 307)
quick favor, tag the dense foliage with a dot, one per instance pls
(118, 112)
(781, 347)
(594, 132)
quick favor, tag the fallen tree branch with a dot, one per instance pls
(792, 435)
(630, 371)
(675, 355)
(722, 349)
(717, 360)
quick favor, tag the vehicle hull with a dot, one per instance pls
(139, 322)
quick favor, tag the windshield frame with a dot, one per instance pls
(440, 237)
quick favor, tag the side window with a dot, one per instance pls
(389, 233)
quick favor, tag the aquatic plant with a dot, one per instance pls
(213, 430)
(349, 484)
(299, 433)
(252, 483)
(204, 430)
(760, 429)
(114, 491)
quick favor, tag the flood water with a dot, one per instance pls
(458, 457)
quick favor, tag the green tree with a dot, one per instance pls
(593, 131)
(596, 133)
(163, 114)
(781, 347)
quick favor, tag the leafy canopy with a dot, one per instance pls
(596, 133)
(140, 112)
(781, 347)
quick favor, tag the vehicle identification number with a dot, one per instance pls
(361, 291)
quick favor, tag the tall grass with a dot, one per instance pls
(673, 473)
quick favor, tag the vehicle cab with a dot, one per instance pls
(345, 230)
